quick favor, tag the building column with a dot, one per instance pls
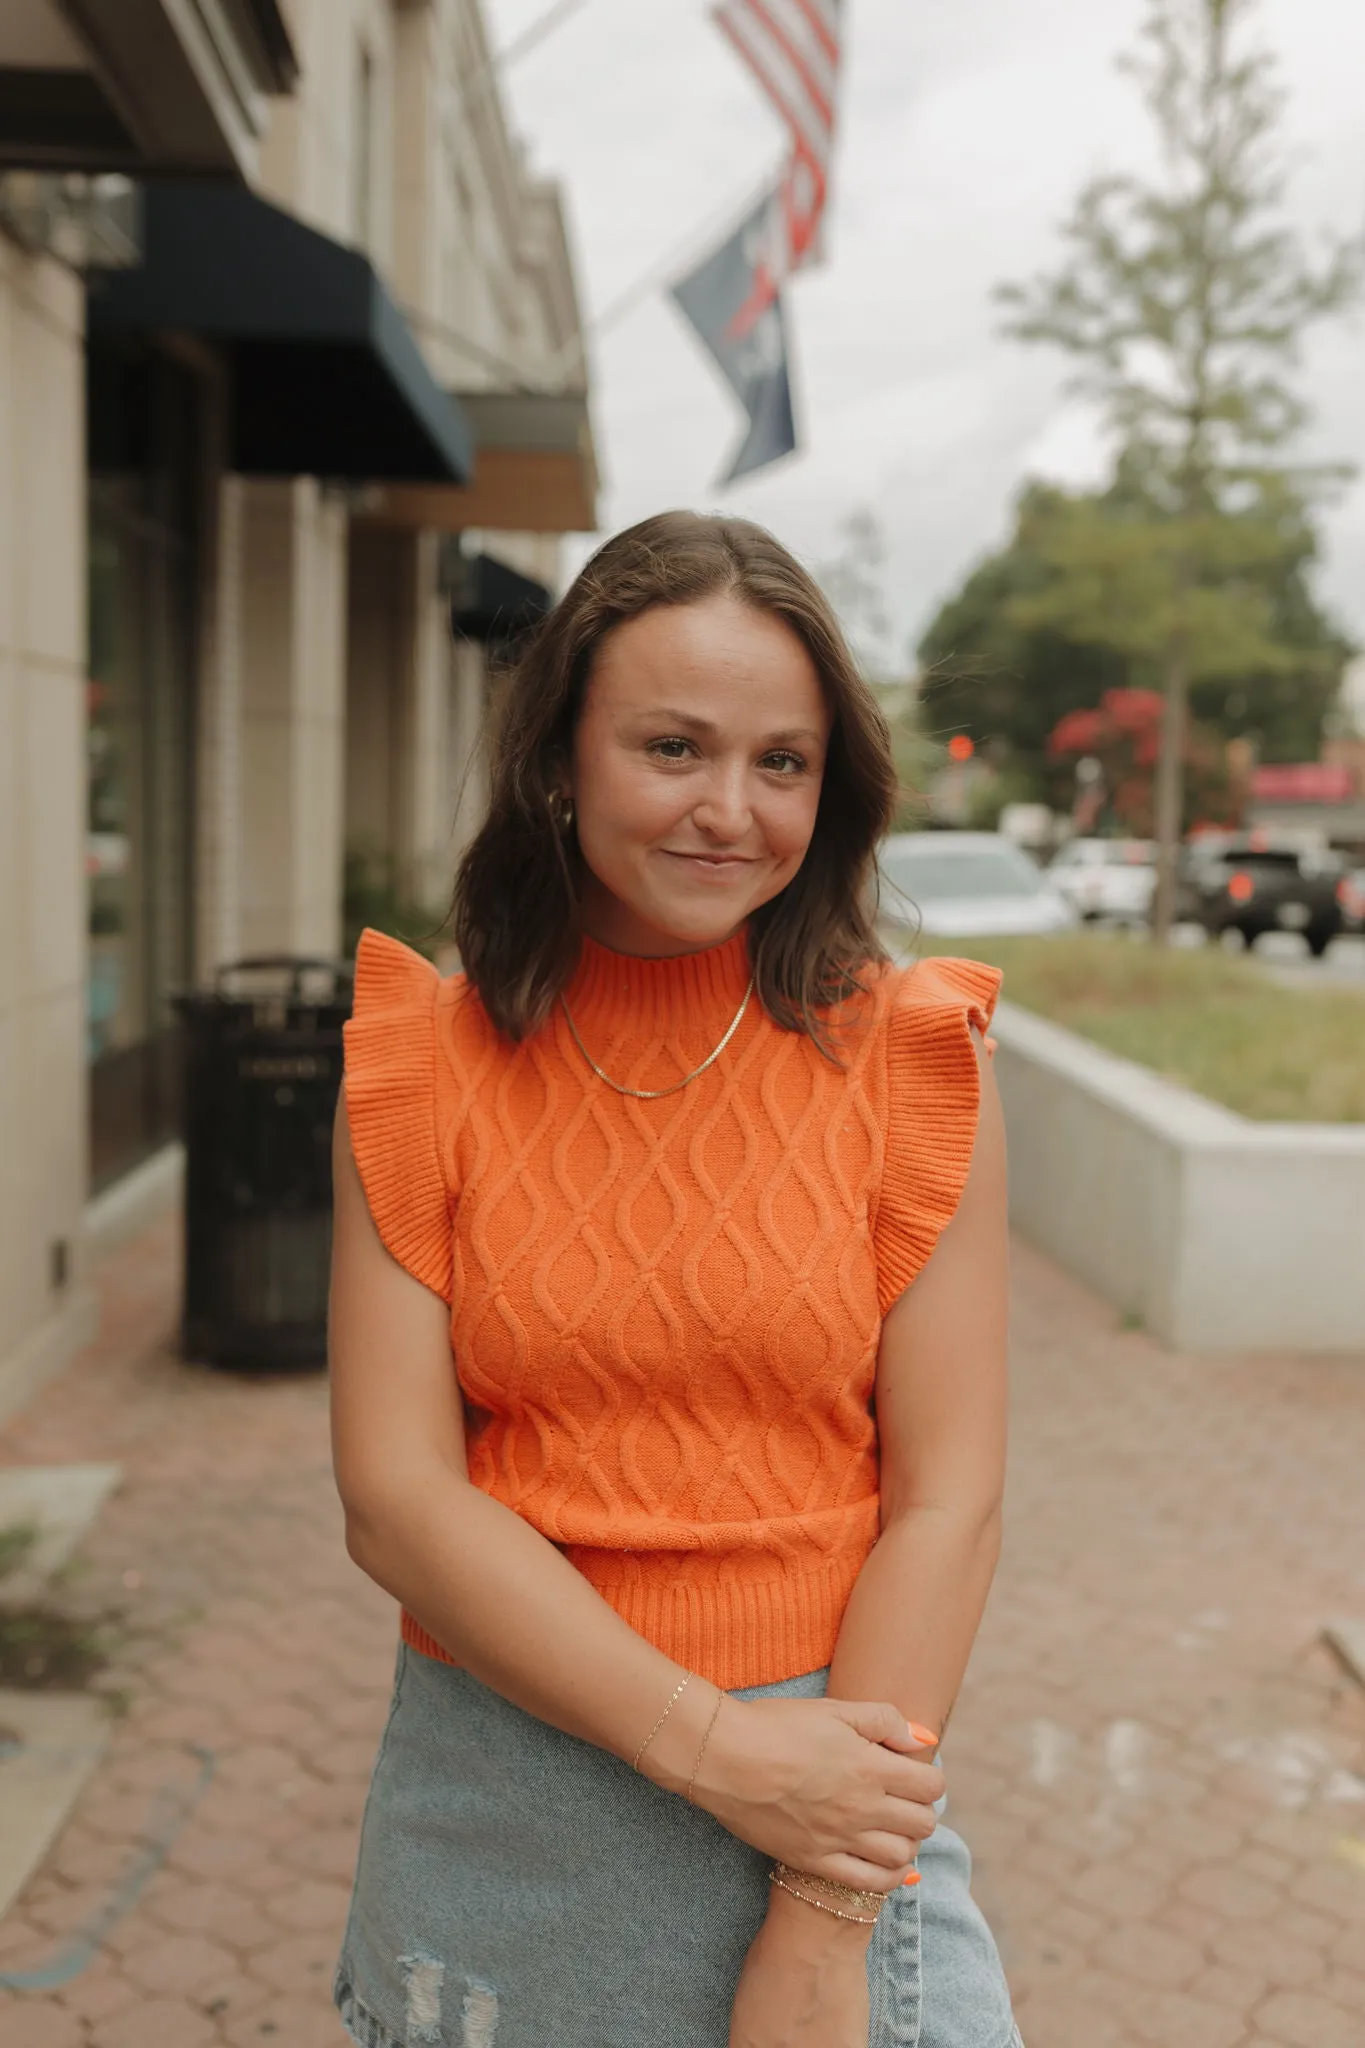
(292, 638)
(399, 789)
(218, 813)
(430, 753)
(44, 1309)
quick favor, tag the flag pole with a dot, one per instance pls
(681, 256)
(487, 75)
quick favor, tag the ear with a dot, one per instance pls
(559, 774)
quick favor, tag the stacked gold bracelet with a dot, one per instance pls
(828, 1895)
(674, 1697)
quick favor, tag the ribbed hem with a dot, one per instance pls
(748, 1628)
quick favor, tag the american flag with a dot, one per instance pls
(793, 49)
(733, 299)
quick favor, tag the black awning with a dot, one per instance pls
(491, 602)
(327, 379)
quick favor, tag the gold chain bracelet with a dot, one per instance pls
(715, 1715)
(821, 1905)
(678, 1692)
(864, 1897)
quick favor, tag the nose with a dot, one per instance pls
(724, 812)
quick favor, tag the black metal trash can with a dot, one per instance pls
(263, 1064)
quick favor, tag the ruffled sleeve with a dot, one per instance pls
(933, 1094)
(392, 1106)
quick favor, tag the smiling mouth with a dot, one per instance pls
(718, 861)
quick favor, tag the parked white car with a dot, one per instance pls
(1113, 878)
(967, 885)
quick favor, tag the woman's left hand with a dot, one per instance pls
(804, 1982)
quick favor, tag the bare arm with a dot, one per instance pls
(910, 1624)
(797, 1778)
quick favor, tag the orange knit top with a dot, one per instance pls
(665, 1314)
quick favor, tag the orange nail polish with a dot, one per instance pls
(925, 1737)
(913, 1878)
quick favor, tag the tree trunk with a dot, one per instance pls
(1170, 784)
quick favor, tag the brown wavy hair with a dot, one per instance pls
(516, 913)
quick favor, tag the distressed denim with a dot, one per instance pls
(517, 1888)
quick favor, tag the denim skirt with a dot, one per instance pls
(518, 1888)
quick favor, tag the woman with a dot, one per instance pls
(693, 1537)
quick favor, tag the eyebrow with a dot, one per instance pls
(689, 720)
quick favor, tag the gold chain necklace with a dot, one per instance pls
(654, 1094)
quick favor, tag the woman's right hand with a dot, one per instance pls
(838, 1787)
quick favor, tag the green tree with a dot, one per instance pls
(1004, 682)
(1258, 655)
(1183, 300)
(1012, 652)
(1285, 710)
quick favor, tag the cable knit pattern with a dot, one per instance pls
(665, 1314)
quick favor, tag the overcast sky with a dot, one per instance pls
(966, 130)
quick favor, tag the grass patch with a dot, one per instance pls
(41, 1649)
(1205, 1018)
(17, 1541)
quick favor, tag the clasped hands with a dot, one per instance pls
(840, 1788)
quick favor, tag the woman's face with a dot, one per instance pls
(696, 773)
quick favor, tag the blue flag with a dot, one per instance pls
(733, 301)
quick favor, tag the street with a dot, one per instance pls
(1287, 960)
(1160, 1769)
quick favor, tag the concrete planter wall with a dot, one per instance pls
(1219, 1233)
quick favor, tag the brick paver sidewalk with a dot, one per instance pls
(1162, 1775)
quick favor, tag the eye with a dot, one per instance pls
(672, 749)
(783, 762)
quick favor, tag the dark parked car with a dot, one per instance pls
(1244, 885)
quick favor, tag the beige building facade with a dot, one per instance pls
(292, 418)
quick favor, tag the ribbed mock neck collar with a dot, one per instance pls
(648, 996)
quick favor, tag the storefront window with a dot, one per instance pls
(144, 470)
